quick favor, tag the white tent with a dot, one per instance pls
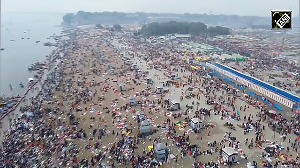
(272, 112)
(150, 63)
(225, 56)
(229, 154)
(159, 90)
(196, 123)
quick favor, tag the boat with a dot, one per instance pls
(1, 49)
(21, 85)
(47, 44)
(37, 41)
(30, 82)
(10, 87)
(32, 68)
(12, 40)
(37, 66)
(50, 44)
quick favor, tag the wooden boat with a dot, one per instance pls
(21, 85)
(37, 66)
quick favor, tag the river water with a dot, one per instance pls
(19, 53)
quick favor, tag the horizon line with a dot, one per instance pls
(135, 12)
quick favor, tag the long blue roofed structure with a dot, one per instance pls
(283, 97)
(265, 85)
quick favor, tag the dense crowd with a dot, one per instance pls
(41, 137)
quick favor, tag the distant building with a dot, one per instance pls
(182, 36)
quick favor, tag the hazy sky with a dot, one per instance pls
(238, 7)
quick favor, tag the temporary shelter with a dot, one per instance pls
(230, 155)
(122, 87)
(149, 81)
(196, 123)
(238, 57)
(161, 151)
(141, 116)
(225, 57)
(159, 90)
(174, 106)
(175, 78)
(132, 101)
(145, 128)
(112, 71)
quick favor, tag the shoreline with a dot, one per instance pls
(31, 92)
(49, 59)
(19, 102)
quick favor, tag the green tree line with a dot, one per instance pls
(172, 27)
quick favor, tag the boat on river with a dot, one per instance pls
(37, 66)
(21, 85)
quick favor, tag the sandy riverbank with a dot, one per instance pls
(89, 93)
